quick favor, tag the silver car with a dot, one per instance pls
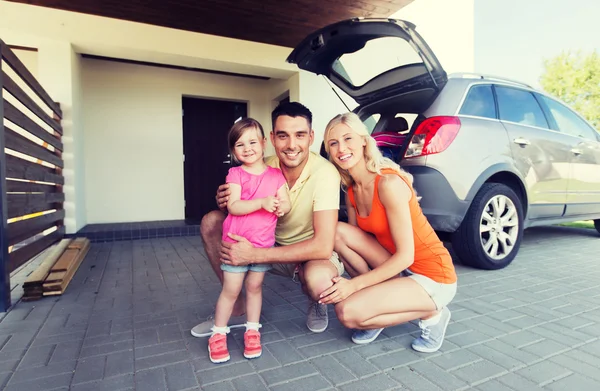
(490, 157)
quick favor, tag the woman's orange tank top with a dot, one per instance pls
(432, 259)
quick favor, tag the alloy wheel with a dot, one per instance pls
(499, 227)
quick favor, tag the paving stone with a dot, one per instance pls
(333, 370)
(545, 348)
(27, 374)
(315, 383)
(438, 376)
(161, 348)
(161, 360)
(479, 371)
(574, 382)
(454, 360)
(356, 364)
(493, 385)
(222, 373)
(373, 383)
(411, 380)
(54, 382)
(289, 372)
(283, 352)
(150, 380)
(397, 359)
(544, 372)
(125, 382)
(250, 382)
(180, 376)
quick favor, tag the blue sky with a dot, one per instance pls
(513, 37)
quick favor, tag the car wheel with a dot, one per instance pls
(597, 225)
(491, 232)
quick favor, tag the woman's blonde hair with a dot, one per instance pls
(374, 160)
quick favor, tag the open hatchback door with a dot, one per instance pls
(373, 59)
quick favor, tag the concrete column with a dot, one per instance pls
(59, 73)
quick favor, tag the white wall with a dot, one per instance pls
(448, 27)
(134, 135)
(29, 58)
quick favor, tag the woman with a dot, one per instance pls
(400, 269)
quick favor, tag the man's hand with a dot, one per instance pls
(223, 196)
(340, 290)
(270, 204)
(239, 253)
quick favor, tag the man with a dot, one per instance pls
(304, 237)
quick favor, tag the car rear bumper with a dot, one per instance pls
(444, 210)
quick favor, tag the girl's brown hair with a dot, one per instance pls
(238, 129)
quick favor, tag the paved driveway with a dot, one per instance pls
(124, 323)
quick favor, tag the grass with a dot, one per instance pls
(579, 224)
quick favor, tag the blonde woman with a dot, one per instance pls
(400, 269)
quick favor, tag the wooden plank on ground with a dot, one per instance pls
(66, 260)
(24, 254)
(39, 274)
(51, 286)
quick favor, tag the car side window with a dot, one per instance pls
(568, 122)
(480, 102)
(520, 106)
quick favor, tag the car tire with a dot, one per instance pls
(597, 225)
(492, 241)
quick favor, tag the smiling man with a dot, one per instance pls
(304, 237)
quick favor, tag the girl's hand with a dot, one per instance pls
(270, 204)
(340, 290)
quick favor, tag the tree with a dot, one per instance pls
(574, 78)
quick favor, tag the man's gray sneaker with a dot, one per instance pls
(204, 329)
(317, 320)
(432, 336)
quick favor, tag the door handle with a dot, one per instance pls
(576, 151)
(521, 141)
(226, 161)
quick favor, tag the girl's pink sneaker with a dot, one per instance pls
(252, 348)
(217, 348)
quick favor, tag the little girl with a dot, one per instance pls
(258, 197)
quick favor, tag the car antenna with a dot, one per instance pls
(336, 93)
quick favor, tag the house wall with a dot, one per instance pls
(449, 29)
(134, 135)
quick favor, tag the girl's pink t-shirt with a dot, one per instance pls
(258, 227)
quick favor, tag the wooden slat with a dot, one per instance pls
(56, 276)
(22, 97)
(24, 204)
(15, 116)
(66, 260)
(24, 229)
(29, 187)
(22, 169)
(22, 144)
(16, 64)
(53, 288)
(79, 243)
(39, 274)
(22, 255)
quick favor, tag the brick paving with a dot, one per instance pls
(124, 324)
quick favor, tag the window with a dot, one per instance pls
(480, 102)
(520, 106)
(568, 122)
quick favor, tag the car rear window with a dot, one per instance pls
(480, 102)
(520, 107)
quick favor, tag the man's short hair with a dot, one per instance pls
(292, 109)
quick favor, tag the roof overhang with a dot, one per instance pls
(266, 21)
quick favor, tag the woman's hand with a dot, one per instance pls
(340, 290)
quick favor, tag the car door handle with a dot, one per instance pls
(226, 161)
(576, 151)
(521, 141)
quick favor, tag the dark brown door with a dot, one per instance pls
(206, 155)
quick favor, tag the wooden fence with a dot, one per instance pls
(31, 180)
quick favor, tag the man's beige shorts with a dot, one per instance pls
(291, 269)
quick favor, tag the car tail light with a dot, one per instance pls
(433, 135)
